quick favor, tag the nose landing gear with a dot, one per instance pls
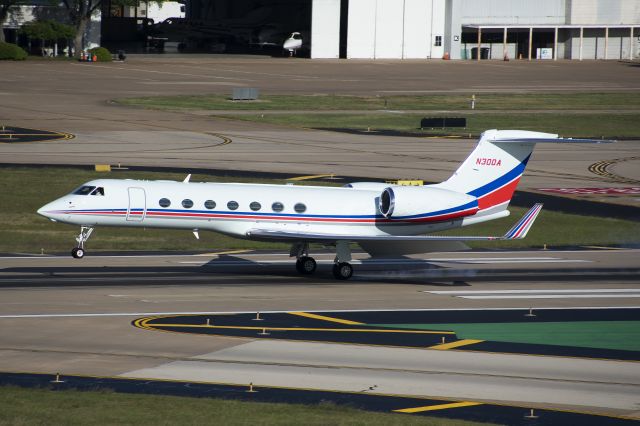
(85, 232)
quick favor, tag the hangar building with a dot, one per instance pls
(402, 29)
(420, 29)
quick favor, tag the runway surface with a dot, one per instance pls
(62, 315)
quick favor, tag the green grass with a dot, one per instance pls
(623, 335)
(555, 101)
(26, 189)
(19, 406)
(569, 125)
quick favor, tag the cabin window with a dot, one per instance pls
(84, 190)
(164, 202)
(277, 206)
(255, 206)
(232, 205)
(210, 204)
(98, 191)
(187, 203)
(300, 208)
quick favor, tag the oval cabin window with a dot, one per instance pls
(255, 206)
(164, 202)
(300, 208)
(232, 205)
(277, 206)
(210, 204)
(187, 204)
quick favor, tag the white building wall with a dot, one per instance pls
(389, 29)
(597, 12)
(514, 12)
(361, 29)
(394, 29)
(437, 27)
(417, 29)
(325, 29)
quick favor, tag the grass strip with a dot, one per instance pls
(457, 101)
(26, 189)
(19, 406)
(622, 335)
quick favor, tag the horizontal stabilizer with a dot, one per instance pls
(518, 231)
(551, 140)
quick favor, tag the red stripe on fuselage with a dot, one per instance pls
(498, 196)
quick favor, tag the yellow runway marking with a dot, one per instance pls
(323, 318)
(455, 344)
(237, 327)
(310, 177)
(438, 407)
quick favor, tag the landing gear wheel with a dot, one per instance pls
(77, 253)
(306, 265)
(342, 271)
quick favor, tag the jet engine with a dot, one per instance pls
(424, 202)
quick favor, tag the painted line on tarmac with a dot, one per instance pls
(595, 293)
(145, 324)
(325, 318)
(554, 296)
(300, 178)
(437, 407)
(136, 314)
(585, 290)
(456, 344)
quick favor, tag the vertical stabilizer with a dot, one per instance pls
(492, 172)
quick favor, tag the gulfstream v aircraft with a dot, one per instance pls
(383, 219)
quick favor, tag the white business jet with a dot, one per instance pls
(293, 43)
(383, 219)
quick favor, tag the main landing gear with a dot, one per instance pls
(306, 265)
(85, 232)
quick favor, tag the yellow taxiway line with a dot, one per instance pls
(238, 327)
(297, 178)
(438, 407)
(323, 318)
(456, 344)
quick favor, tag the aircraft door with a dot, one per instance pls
(137, 209)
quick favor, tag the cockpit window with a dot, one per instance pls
(98, 191)
(84, 190)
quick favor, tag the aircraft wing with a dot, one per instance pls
(517, 232)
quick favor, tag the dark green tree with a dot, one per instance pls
(48, 30)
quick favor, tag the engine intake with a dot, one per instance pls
(425, 203)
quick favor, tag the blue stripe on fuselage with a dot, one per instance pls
(502, 180)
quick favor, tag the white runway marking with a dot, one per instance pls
(543, 294)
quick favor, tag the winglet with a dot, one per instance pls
(186, 180)
(520, 229)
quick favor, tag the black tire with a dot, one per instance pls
(306, 265)
(77, 253)
(342, 270)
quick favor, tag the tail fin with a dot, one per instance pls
(492, 172)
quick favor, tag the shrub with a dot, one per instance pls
(102, 54)
(12, 51)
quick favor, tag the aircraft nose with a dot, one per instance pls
(48, 210)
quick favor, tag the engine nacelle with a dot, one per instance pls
(427, 204)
